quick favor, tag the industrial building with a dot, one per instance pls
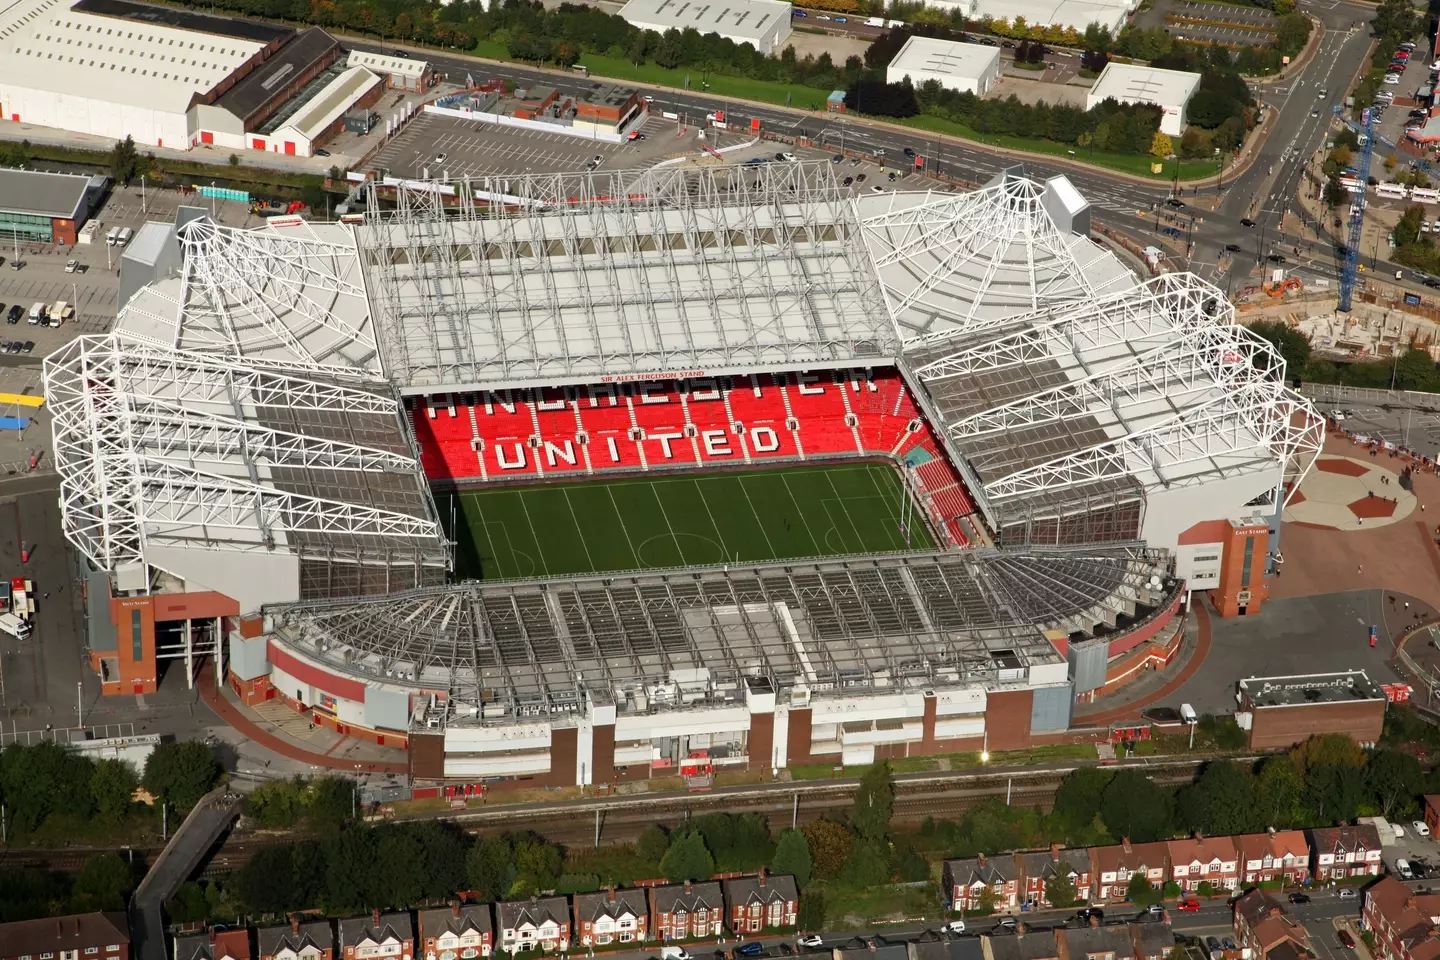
(38, 207)
(178, 78)
(1170, 90)
(970, 67)
(1280, 712)
(400, 73)
(1074, 14)
(764, 24)
(258, 489)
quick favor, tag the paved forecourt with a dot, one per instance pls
(682, 519)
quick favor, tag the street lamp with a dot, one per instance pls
(985, 748)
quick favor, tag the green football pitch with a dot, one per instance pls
(679, 519)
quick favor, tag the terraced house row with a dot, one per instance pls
(1103, 874)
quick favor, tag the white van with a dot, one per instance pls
(1402, 867)
(112, 236)
(125, 234)
(36, 312)
(674, 953)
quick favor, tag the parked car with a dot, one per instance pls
(1212, 944)
(1006, 923)
(71, 266)
(812, 941)
(1349, 893)
(836, 158)
(1085, 913)
(16, 312)
(1345, 939)
(847, 181)
(955, 926)
(1188, 906)
(1299, 898)
(1391, 79)
(1275, 258)
(29, 345)
(1421, 830)
(1155, 909)
(789, 158)
(322, 153)
(751, 949)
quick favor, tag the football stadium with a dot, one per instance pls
(581, 479)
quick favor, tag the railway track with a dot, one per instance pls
(623, 819)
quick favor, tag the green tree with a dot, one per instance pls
(792, 856)
(180, 773)
(1161, 146)
(810, 915)
(277, 803)
(538, 863)
(1335, 194)
(829, 843)
(652, 843)
(234, 159)
(874, 800)
(1060, 890)
(1221, 802)
(266, 883)
(104, 883)
(112, 785)
(125, 160)
(1134, 807)
(1294, 346)
(1327, 749)
(687, 859)
(1278, 789)
(867, 866)
(1077, 799)
(1140, 891)
(1394, 778)
(331, 804)
(489, 868)
(667, 52)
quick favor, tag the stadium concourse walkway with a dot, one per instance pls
(1134, 697)
(360, 757)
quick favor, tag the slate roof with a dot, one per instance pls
(686, 897)
(272, 940)
(766, 889)
(513, 914)
(1362, 836)
(1023, 946)
(610, 903)
(377, 928)
(1045, 864)
(986, 870)
(1082, 942)
(457, 919)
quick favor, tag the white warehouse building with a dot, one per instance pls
(971, 67)
(1075, 14)
(112, 67)
(764, 24)
(1170, 90)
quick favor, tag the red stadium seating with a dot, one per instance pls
(751, 418)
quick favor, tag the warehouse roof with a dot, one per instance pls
(742, 18)
(380, 63)
(58, 195)
(944, 57)
(265, 82)
(1313, 688)
(1127, 82)
(47, 45)
(330, 104)
(265, 33)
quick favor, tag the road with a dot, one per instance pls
(1267, 183)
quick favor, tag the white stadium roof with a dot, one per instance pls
(1072, 395)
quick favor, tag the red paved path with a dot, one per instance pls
(1132, 709)
(252, 730)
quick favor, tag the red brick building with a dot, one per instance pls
(1200, 859)
(1400, 920)
(91, 936)
(1339, 852)
(1273, 855)
(1112, 867)
(682, 911)
(967, 881)
(389, 935)
(1041, 868)
(1263, 927)
(761, 902)
(611, 916)
(457, 932)
(215, 945)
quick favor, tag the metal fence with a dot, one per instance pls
(1335, 393)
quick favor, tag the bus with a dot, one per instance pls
(1424, 195)
(1352, 184)
(1396, 191)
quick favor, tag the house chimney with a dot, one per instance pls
(1409, 903)
(1270, 830)
(981, 858)
(687, 886)
(1199, 837)
(612, 893)
(1021, 929)
(59, 928)
(1125, 843)
(1094, 921)
(454, 908)
(375, 916)
(1055, 852)
(762, 877)
(294, 924)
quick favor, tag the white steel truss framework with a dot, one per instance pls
(271, 295)
(719, 269)
(955, 260)
(1181, 393)
(156, 445)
